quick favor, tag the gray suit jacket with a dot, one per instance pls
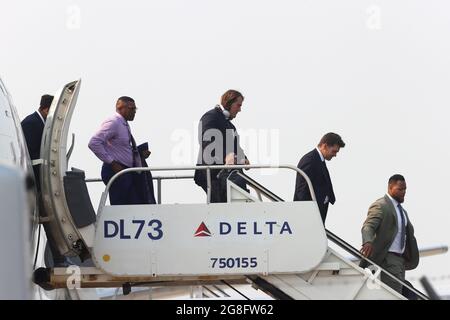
(380, 228)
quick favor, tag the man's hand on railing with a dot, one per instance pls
(246, 163)
(230, 159)
(366, 249)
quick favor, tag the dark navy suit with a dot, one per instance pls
(215, 123)
(317, 171)
(33, 127)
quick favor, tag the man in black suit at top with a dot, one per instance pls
(219, 144)
(313, 164)
(33, 127)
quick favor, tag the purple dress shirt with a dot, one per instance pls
(113, 142)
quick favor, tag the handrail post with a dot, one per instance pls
(208, 185)
(158, 183)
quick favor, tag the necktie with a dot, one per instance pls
(330, 188)
(403, 227)
(327, 173)
(133, 147)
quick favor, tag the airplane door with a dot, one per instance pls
(53, 170)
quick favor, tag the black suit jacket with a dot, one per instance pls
(318, 173)
(33, 127)
(217, 138)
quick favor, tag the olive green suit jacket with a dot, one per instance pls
(380, 229)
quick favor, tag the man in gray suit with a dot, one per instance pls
(388, 235)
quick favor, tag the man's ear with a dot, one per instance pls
(45, 112)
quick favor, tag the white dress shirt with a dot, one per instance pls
(40, 115)
(396, 244)
(320, 154)
(323, 160)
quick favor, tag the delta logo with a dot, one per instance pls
(202, 231)
(246, 228)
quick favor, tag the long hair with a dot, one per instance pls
(229, 97)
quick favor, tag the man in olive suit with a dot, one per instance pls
(388, 235)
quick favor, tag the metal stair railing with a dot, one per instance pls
(331, 236)
(271, 196)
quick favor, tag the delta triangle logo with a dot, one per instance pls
(202, 231)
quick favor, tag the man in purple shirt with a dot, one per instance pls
(115, 146)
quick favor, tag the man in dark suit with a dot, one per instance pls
(388, 235)
(33, 127)
(313, 164)
(219, 143)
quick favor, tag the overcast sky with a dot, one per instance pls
(376, 72)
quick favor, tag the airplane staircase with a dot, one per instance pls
(158, 245)
(334, 278)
